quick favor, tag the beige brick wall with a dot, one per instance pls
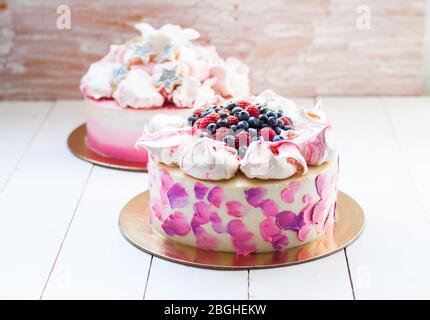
(297, 47)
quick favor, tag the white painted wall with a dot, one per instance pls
(427, 51)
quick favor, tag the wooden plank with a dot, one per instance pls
(322, 279)
(296, 47)
(19, 122)
(168, 280)
(96, 262)
(390, 260)
(38, 203)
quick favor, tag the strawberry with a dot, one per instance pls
(242, 139)
(210, 118)
(286, 121)
(232, 120)
(220, 133)
(267, 133)
(197, 112)
(242, 103)
(253, 111)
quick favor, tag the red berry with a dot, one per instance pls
(267, 133)
(242, 139)
(198, 111)
(286, 121)
(232, 120)
(242, 103)
(253, 111)
(220, 133)
(210, 118)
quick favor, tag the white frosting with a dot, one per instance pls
(165, 145)
(232, 78)
(209, 159)
(137, 91)
(96, 82)
(163, 121)
(260, 162)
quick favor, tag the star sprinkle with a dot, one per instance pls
(120, 74)
(144, 52)
(168, 79)
(167, 54)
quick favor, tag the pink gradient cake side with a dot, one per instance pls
(112, 131)
(243, 215)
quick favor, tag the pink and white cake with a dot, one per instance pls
(160, 71)
(243, 176)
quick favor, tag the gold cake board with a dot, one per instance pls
(77, 144)
(135, 226)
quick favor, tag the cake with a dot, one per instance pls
(160, 71)
(245, 176)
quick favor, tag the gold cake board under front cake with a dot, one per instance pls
(135, 226)
(77, 144)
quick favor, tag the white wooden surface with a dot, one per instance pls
(59, 235)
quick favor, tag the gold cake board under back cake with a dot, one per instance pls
(135, 226)
(77, 144)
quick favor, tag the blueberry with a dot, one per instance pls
(251, 121)
(264, 125)
(242, 151)
(231, 106)
(277, 130)
(272, 121)
(286, 128)
(191, 119)
(279, 123)
(223, 115)
(262, 118)
(263, 110)
(243, 115)
(229, 140)
(277, 138)
(205, 134)
(279, 113)
(218, 108)
(257, 123)
(212, 127)
(222, 123)
(243, 125)
(237, 109)
(233, 128)
(206, 112)
(252, 132)
(270, 114)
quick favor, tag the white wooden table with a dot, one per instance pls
(59, 235)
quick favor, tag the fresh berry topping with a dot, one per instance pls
(242, 103)
(243, 125)
(286, 121)
(262, 118)
(272, 121)
(210, 118)
(267, 133)
(222, 123)
(191, 119)
(231, 120)
(253, 111)
(198, 112)
(277, 138)
(230, 140)
(277, 130)
(243, 115)
(212, 127)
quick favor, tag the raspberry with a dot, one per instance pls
(286, 121)
(253, 111)
(210, 118)
(242, 103)
(197, 112)
(220, 133)
(232, 120)
(242, 139)
(267, 133)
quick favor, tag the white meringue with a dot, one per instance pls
(96, 83)
(137, 91)
(185, 94)
(209, 159)
(260, 162)
(165, 146)
(163, 121)
(277, 103)
(232, 78)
